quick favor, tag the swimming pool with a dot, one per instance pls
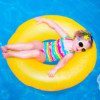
(15, 12)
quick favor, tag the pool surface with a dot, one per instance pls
(15, 12)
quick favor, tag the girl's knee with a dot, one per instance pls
(37, 44)
(35, 53)
(38, 53)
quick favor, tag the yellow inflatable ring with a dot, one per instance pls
(34, 74)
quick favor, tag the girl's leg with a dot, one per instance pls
(26, 54)
(23, 46)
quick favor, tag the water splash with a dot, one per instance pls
(98, 80)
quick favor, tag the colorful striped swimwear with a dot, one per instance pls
(54, 50)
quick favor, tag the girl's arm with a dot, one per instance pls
(53, 25)
(60, 64)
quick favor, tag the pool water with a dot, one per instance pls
(15, 12)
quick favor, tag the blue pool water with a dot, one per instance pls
(15, 12)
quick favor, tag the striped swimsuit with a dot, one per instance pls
(54, 50)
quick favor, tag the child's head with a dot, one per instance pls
(82, 41)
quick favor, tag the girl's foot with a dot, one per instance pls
(5, 55)
(4, 49)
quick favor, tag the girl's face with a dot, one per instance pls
(80, 44)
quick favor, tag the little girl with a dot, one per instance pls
(61, 50)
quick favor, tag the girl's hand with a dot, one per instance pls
(49, 22)
(40, 20)
(52, 73)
